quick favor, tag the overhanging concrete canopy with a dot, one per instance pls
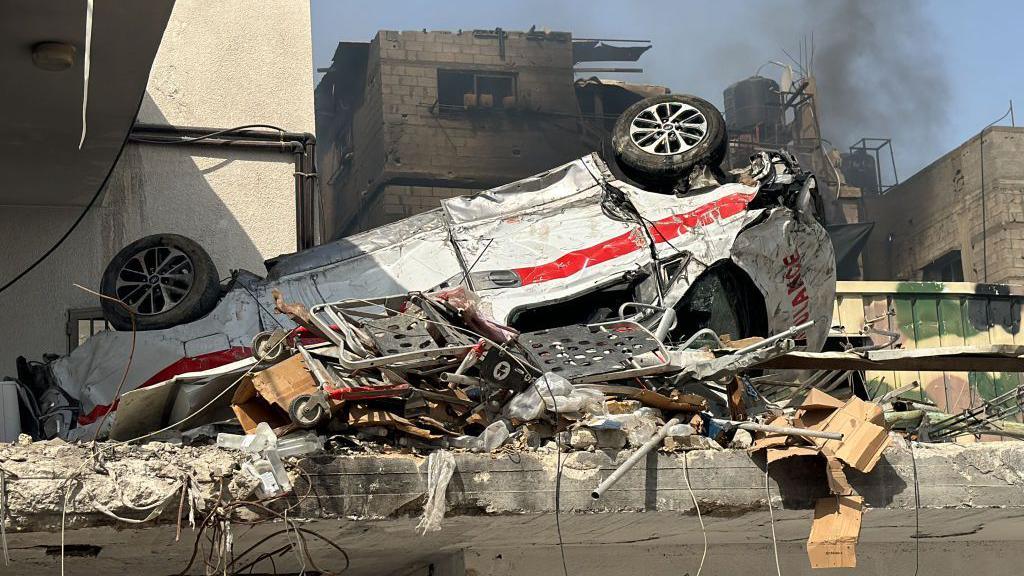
(41, 120)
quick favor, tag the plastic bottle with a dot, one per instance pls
(260, 440)
(262, 470)
(300, 443)
(494, 436)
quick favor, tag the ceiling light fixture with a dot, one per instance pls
(53, 56)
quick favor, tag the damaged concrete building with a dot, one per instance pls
(413, 117)
(959, 219)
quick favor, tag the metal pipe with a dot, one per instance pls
(773, 339)
(610, 40)
(642, 451)
(246, 134)
(668, 319)
(803, 199)
(638, 306)
(461, 379)
(786, 430)
(698, 334)
(301, 144)
(615, 70)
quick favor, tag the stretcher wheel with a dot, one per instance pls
(307, 411)
(269, 346)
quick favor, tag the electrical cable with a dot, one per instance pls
(771, 515)
(917, 511)
(558, 482)
(88, 206)
(686, 476)
(211, 134)
(554, 406)
(3, 515)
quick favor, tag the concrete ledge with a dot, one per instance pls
(504, 503)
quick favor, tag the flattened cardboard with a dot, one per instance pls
(862, 447)
(837, 483)
(818, 400)
(266, 395)
(776, 454)
(835, 532)
(360, 415)
(816, 408)
(251, 408)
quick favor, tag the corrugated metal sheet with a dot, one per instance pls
(932, 314)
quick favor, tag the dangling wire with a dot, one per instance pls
(85, 67)
(771, 515)
(686, 476)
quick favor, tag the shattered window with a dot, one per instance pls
(946, 268)
(471, 89)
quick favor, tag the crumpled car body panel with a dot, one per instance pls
(547, 238)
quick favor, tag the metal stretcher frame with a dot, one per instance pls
(329, 319)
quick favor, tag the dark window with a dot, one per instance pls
(946, 268)
(84, 323)
(472, 89)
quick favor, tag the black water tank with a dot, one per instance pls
(859, 170)
(753, 102)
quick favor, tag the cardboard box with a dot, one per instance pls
(864, 439)
(266, 395)
(835, 531)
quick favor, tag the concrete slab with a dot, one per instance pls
(500, 517)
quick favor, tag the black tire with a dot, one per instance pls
(189, 286)
(663, 170)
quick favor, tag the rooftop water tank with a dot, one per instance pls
(752, 103)
(859, 170)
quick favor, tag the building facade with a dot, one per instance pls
(221, 65)
(410, 118)
(959, 219)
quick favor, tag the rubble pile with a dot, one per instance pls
(429, 371)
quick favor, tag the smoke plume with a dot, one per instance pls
(878, 71)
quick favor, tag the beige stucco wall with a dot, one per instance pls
(939, 209)
(220, 64)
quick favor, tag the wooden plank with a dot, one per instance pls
(926, 335)
(876, 315)
(851, 312)
(974, 311)
(951, 333)
(904, 323)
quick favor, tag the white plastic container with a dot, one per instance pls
(10, 418)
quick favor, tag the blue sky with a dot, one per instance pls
(971, 50)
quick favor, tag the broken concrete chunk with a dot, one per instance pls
(535, 433)
(583, 438)
(690, 442)
(611, 439)
(741, 439)
(622, 406)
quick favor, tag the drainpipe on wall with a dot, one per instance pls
(302, 146)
